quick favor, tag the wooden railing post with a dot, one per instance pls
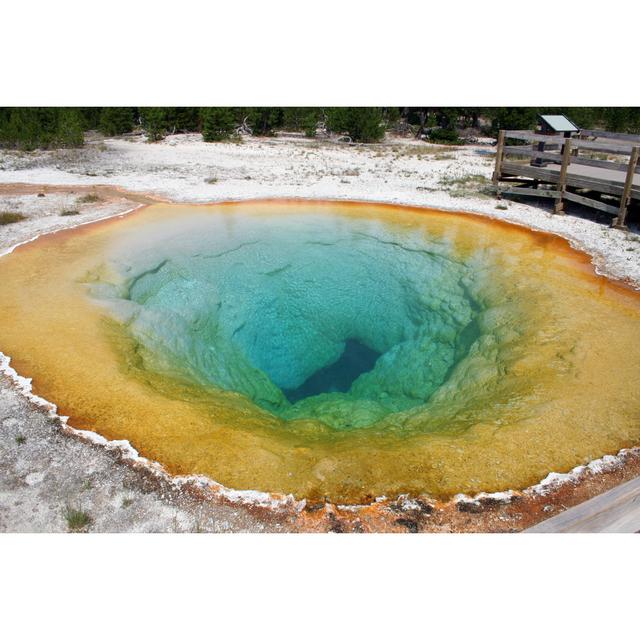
(562, 182)
(498, 168)
(626, 193)
(539, 162)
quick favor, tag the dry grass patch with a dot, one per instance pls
(473, 184)
(444, 156)
(9, 217)
(417, 150)
(77, 520)
(89, 198)
(471, 179)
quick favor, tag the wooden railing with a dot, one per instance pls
(565, 152)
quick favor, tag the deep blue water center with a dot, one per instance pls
(355, 360)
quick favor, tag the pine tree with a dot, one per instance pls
(90, 117)
(115, 121)
(623, 119)
(301, 119)
(391, 117)
(70, 128)
(29, 127)
(182, 119)
(5, 114)
(513, 117)
(218, 123)
(47, 126)
(362, 124)
(154, 122)
(264, 119)
(19, 129)
(310, 123)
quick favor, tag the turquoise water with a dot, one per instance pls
(308, 315)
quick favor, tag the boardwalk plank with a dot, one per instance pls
(615, 511)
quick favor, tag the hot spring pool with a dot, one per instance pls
(329, 350)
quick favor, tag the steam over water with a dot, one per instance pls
(371, 318)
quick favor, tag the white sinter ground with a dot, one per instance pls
(43, 474)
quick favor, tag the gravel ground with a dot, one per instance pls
(45, 475)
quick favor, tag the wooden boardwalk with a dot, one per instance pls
(615, 511)
(579, 174)
(597, 169)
